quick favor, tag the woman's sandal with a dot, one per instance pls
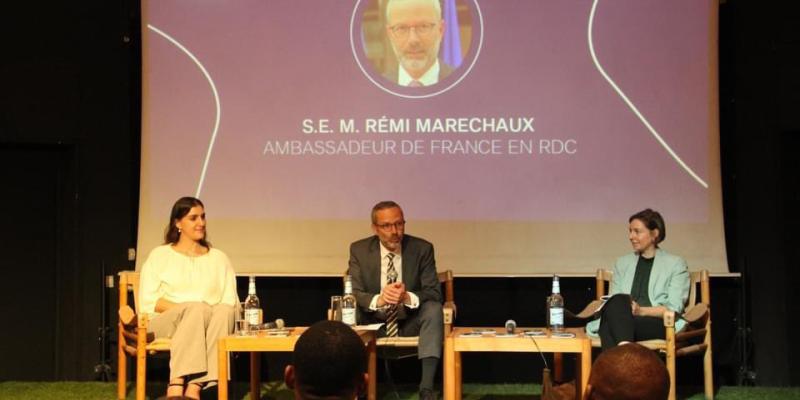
(199, 385)
(180, 396)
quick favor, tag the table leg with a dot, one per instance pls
(583, 367)
(449, 366)
(255, 375)
(558, 367)
(222, 363)
(457, 358)
(372, 386)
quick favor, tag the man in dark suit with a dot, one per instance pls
(394, 281)
(415, 29)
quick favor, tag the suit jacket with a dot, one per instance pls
(444, 71)
(419, 270)
(668, 286)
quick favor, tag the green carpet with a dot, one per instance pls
(277, 391)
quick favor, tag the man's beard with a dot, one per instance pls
(414, 64)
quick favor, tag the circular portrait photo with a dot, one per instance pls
(416, 48)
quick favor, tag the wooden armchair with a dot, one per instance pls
(694, 338)
(133, 339)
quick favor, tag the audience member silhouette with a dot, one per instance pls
(329, 362)
(628, 372)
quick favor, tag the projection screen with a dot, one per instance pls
(544, 127)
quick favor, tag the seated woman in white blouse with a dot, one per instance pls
(188, 291)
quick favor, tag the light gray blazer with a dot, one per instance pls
(669, 284)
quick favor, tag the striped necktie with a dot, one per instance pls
(391, 314)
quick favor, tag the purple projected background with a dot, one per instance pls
(276, 63)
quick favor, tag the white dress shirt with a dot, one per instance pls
(430, 77)
(398, 267)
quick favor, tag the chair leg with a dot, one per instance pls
(122, 366)
(669, 324)
(141, 374)
(708, 372)
(708, 375)
(671, 369)
(122, 372)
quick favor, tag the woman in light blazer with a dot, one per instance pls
(646, 283)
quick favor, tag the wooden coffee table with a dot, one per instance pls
(264, 342)
(456, 343)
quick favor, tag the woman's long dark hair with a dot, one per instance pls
(179, 210)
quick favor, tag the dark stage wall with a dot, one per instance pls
(69, 164)
(69, 146)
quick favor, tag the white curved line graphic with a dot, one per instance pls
(216, 103)
(632, 107)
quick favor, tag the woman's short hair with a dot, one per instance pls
(179, 210)
(652, 220)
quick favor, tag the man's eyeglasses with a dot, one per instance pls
(402, 31)
(388, 227)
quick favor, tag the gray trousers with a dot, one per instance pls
(427, 322)
(195, 329)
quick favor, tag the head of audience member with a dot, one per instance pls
(628, 372)
(389, 224)
(329, 362)
(415, 29)
(646, 230)
(188, 220)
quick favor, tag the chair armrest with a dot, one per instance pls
(696, 313)
(449, 310)
(142, 321)
(669, 319)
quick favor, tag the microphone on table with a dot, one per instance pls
(511, 325)
(277, 324)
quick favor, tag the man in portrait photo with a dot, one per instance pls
(415, 29)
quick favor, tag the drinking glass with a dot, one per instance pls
(336, 308)
(242, 326)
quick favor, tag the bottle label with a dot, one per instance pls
(556, 316)
(349, 316)
(253, 316)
